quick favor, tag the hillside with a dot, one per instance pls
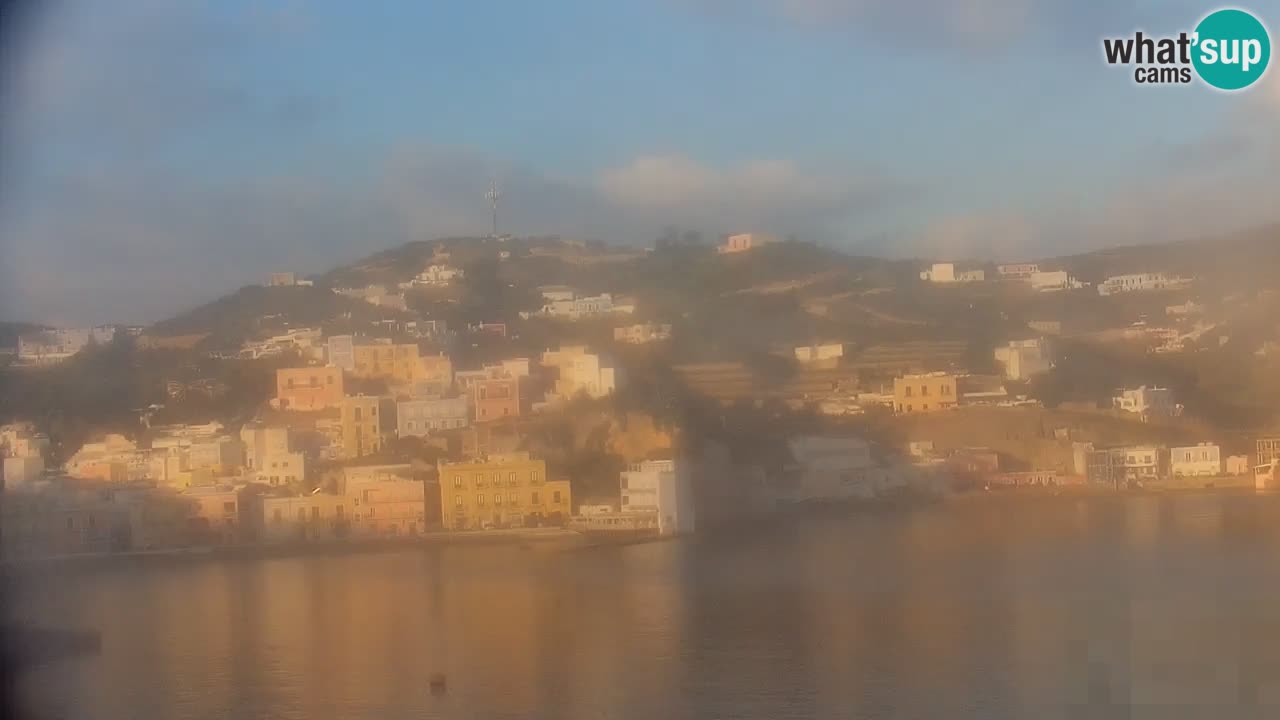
(1249, 257)
(254, 310)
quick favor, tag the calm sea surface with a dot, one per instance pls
(1126, 607)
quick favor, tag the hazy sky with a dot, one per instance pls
(159, 153)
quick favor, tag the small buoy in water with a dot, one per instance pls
(437, 683)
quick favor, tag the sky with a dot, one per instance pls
(160, 153)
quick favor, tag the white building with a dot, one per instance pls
(270, 457)
(553, 293)
(642, 333)
(1138, 282)
(340, 352)
(1017, 270)
(21, 471)
(1146, 401)
(1023, 359)
(819, 353)
(743, 242)
(307, 342)
(1052, 280)
(588, 306)
(1204, 459)
(580, 372)
(417, 418)
(656, 486)
(436, 275)
(947, 273)
(53, 346)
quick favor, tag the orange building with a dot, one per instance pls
(495, 398)
(309, 388)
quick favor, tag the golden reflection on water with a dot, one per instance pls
(1001, 608)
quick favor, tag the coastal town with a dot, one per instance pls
(503, 387)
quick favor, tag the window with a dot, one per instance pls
(339, 512)
(511, 498)
(330, 379)
(511, 478)
(555, 497)
(925, 406)
(924, 391)
(534, 498)
(906, 391)
(369, 512)
(276, 516)
(480, 500)
(229, 506)
(946, 390)
(626, 499)
(315, 512)
(534, 476)
(357, 414)
(497, 479)
(457, 481)
(479, 479)
(497, 498)
(457, 501)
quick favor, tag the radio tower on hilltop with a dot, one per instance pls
(493, 196)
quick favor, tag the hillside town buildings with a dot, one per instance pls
(502, 490)
(642, 333)
(46, 347)
(928, 392)
(946, 273)
(307, 389)
(744, 242)
(1146, 402)
(1024, 359)
(1140, 282)
(580, 371)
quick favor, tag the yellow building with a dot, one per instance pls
(367, 423)
(502, 491)
(924, 393)
(395, 363)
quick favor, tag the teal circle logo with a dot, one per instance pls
(1232, 49)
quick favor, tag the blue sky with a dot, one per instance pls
(163, 152)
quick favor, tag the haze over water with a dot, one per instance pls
(1139, 606)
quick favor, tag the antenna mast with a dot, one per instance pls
(493, 196)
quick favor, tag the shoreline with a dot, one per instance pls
(567, 540)
(251, 552)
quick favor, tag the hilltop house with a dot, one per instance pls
(947, 273)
